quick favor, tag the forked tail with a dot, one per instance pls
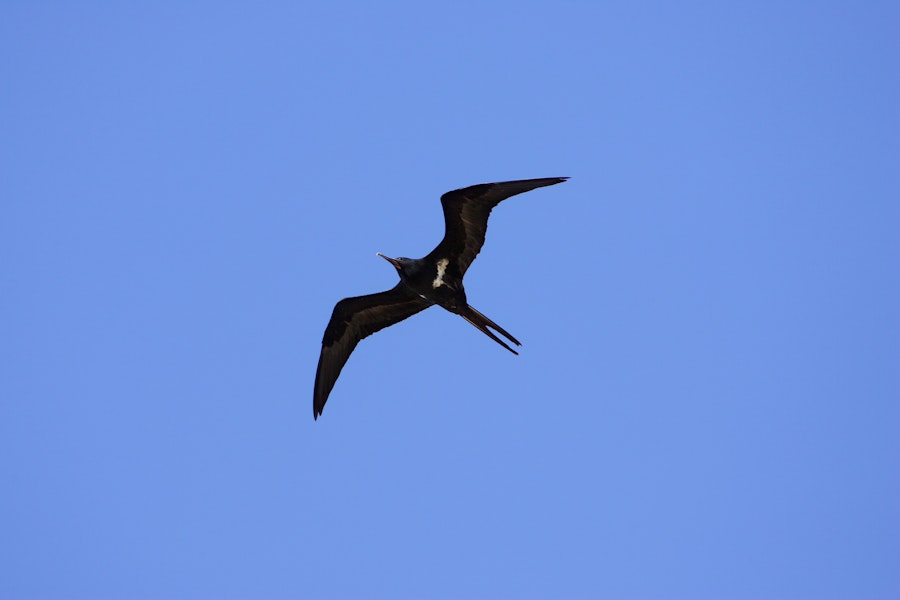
(482, 323)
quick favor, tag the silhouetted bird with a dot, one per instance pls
(435, 279)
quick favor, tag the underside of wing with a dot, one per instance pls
(352, 320)
(466, 213)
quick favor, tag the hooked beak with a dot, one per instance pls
(393, 261)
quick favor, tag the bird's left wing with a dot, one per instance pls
(466, 212)
(352, 320)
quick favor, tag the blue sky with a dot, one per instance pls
(706, 402)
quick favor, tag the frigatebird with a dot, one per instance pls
(437, 278)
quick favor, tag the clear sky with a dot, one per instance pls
(707, 401)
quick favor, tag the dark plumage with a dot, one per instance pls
(434, 279)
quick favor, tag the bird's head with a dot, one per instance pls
(401, 263)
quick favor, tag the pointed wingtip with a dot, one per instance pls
(550, 181)
(544, 181)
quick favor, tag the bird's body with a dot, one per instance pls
(436, 278)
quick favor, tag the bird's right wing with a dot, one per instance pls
(352, 320)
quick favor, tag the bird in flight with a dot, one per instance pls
(437, 278)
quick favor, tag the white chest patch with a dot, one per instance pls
(441, 267)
